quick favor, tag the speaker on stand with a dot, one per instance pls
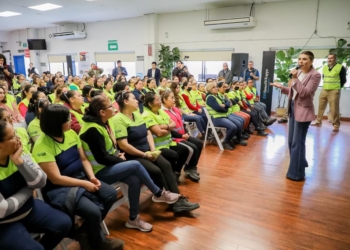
(239, 62)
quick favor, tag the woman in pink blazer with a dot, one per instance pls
(301, 112)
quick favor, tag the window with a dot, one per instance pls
(205, 69)
(55, 67)
(109, 66)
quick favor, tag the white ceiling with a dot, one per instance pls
(82, 11)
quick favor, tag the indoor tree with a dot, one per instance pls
(167, 59)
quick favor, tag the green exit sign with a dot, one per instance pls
(112, 45)
(25, 45)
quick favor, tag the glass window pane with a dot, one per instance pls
(195, 69)
(212, 68)
(107, 67)
(55, 67)
(130, 68)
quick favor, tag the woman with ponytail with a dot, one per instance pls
(74, 101)
(34, 129)
(30, 115)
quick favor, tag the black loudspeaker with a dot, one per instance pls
(239, 62)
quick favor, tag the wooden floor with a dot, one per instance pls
(247, 203)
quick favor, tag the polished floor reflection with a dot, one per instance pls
(247, 203)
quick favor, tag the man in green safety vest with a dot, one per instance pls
(334, 78)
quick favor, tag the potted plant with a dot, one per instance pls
(167, 60)
(284, 62)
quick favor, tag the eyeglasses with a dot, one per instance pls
(111, 106)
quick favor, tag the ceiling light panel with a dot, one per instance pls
(45, 7)
(9, 13)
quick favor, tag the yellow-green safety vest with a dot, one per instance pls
(198, 96)
(331, 78)
(211, 111)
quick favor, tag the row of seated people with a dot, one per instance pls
(128, 147)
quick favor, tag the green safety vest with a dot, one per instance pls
(163, 141)
(78, 116)
(211, 111)
(109, 95)
(183, 105)
(251, 91)
(192, 98)
(198, 96)
(108, 142)
(25, 101)
(234, 108)
(331, 79)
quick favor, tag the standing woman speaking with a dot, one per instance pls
(301, 112)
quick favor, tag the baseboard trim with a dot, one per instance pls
(345, 119)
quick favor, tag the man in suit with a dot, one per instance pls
(225, 72)
(32, 70)
(154, 72)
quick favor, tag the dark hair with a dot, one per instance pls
(35, 77)
(334, 55)
(3, 125)
(2, 112)
(176, 77)
(173, 86)
(161, 79)
(148, 98)
(95, 84)
(59, 89)
(164, 94)
(220, 84)
(52, 118)
(33, 100)
(96, 105)
(86, 90)
(207, 80)
(154, 63)
(25, 89)
(96, 92)
(149, 80)
(41, 103)
(178, 61)
(66, 96)
(309, 54)
(119, 86)
(120, 97)
(119, 61)
(184, 85)
(4, 58)
(107, 81)
(3, 101)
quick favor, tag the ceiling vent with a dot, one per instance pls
(69, 35)
(233, 23)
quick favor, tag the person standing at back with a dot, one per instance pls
(154, 72)
(334, 78)
(301, 112)
(119, 70)
(32, 70)
(225, 72)
(251, 73)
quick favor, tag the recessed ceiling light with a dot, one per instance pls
(9, 13)
(45, 7)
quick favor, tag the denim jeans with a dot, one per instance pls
(201, 125)
(133, 174)
(231, 128)
(239, 122)
(297, 148)
(42, 219)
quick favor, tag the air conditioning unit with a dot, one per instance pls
(234, 23)
(69, 35)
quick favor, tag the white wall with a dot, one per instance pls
(279, 24)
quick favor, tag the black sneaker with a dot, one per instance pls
(183, 205)
(112, 244)
(262, 133)
(83, 238)
(283, 120)
(228, 146)
(192, 174)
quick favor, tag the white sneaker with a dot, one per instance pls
(167, 197)
(139, 224)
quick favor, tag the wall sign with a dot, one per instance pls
(112, 45)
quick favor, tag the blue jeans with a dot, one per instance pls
(42, 219)
(133, 174)
(231, 128)
(201, 125)
(297, 148)
(239, 122)
(204, 117)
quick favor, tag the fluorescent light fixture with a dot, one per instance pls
(9, 13)
(45, 7)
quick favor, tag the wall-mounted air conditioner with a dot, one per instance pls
(234, 23)
(69, 35)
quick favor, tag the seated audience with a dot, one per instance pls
(34, 129)
(162, 85)
(9, 105)
(98, 84)
(198, 95)
(72, 185)
(137, 142)
(108, 89)
(151, 85)
(74, 101)
(26, 94)
(20, 213)
(138, 92)
(99, 144)
(30, 115)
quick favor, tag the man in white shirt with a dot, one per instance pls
(154, 72)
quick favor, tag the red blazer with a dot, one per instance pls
(304, 110)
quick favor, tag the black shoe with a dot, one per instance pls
(177, 177)
(245, 137)
(183, 205)
(283, 120)
(192, 175)
(112, 244)
(261, 128)
(270, 122)
(246, 134)
(83, 238)
(227, 146)
(262, 133)
(249, 132)
(196, 170)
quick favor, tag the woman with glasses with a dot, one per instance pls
(30, 115)
(151, 85)
(138, 92)
(20, 132)
(72, 185)
(180, 136)
(187, 114)
(74, 101)
(99, 144)
(26, 94)
(10, 106)
(34, 129)
(98, 84)
(136, 141)
(108, 89)
(20, 213)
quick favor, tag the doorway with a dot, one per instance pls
(19, 64)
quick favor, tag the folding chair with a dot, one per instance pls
(211, 126)
(192, 129)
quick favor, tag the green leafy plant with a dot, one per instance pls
(342, 51)
(284, 62)
(167, 59)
